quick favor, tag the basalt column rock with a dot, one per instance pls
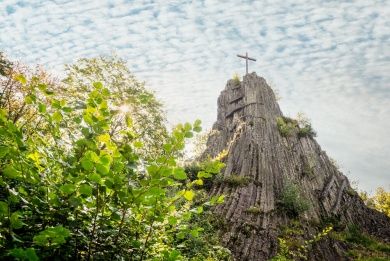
(261, 162)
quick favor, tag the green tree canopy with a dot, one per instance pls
(93, 195)
(128, 96)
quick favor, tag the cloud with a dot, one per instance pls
(329, 59)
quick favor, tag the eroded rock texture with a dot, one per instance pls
(246, 127)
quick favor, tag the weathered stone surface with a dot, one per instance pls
(246, 127)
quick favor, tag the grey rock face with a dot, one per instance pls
(246, 127)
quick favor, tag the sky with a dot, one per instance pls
(328, 59)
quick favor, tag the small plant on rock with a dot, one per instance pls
(286, 126)
(236, 79)
(292, 200)
(236, 181)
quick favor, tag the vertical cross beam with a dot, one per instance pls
(246, 60)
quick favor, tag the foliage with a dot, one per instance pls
(361, 245)
(236, 79)
(292, 200)
(92, 195)
(208, 245)
(19, 90)
(306, 131)
(5, 65)
(305, 128)
(236, 180)
(209, 169)
(286, 126)
(292, 246)
(379, 201)
(128, 96)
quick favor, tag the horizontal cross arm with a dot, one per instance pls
(249, 58)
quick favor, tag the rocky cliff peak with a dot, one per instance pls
(268, 157)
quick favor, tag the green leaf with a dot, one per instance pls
(189, 134)
(88, 119)
(102, 169)
(195, 232)
(4, 151)
(203, 174)
(95, 177)
(24, 254)
(198, 182)
(197, 129)
(29, 99)
(172, 220)
(52, 237)
(167, 147)
(11, 172)
(41, 107)
(67, 189)
(20, 78)
(85, 189)
(105, 138)
(105, 159)
(86, 163)
(189, 195)
(221, 199)
(16, 223)
(3, 208)
(57, 117)
(187, 126)
(98, 85)
(179, 173)
(138, 144)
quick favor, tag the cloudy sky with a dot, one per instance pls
(328, 59)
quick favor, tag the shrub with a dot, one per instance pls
(207, 246)
(293, 247)
(286, 126)
(361, 245)
(236, 79)
(93, 195)
(292, 200)
(306, 131)
(208, 171)
(236, 181)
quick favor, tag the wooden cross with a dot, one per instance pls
(246, 58)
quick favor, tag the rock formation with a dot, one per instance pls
(260, 163)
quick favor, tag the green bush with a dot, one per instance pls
(236, 79)
(236, 181)
(306, 131)
(292, 200)
(92, 195)
(207, 246)
(286, 126)
(208, 171)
